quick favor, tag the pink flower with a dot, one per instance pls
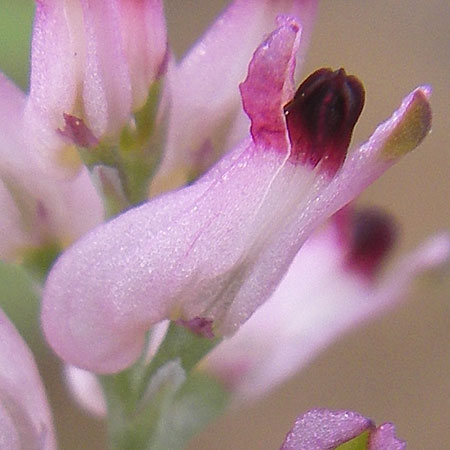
(25, 420)
(217, 249)
(95, 60)
(332, 286)
(93, 64)
(322, 429)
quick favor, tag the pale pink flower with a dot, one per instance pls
(216, 250)
(322, 429)
(25, 420)
(95, 60)
(93, 63)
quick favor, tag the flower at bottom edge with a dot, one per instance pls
(323, 429)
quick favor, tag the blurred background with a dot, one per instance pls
(396, 369)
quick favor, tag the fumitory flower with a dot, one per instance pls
(213, 252)
(25, 419)
(92, 69)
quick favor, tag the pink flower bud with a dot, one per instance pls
(94, 60)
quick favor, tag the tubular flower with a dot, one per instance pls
(322, 429)
(25, 420)
(332, 286)
(37, 210)
(217, 249)
(93, 60)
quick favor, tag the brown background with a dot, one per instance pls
(398, 368)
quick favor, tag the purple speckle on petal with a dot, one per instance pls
(199, 325)
(78, 132)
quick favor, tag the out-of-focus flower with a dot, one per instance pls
(332, 286)
(25, 420)
(217, 249)
(94, 60)
(322, 429)
(38, 210)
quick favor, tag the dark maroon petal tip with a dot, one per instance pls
(199, 325)
(321, 117)
(370, 237)
(77, 131)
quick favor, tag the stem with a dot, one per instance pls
(161, 405)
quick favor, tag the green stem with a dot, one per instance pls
(143, 400)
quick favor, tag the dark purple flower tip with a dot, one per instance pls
(369, 236)
(78, 132)
(321, 117)
(199, 326)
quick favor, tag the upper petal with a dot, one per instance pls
(322, 429)
(203, 86)
(25, 420)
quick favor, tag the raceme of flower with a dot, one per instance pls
(108, 100)
(217, 249)
(94, 69)
(321, 429)
(25, 420)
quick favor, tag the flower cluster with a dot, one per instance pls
(253, 245)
